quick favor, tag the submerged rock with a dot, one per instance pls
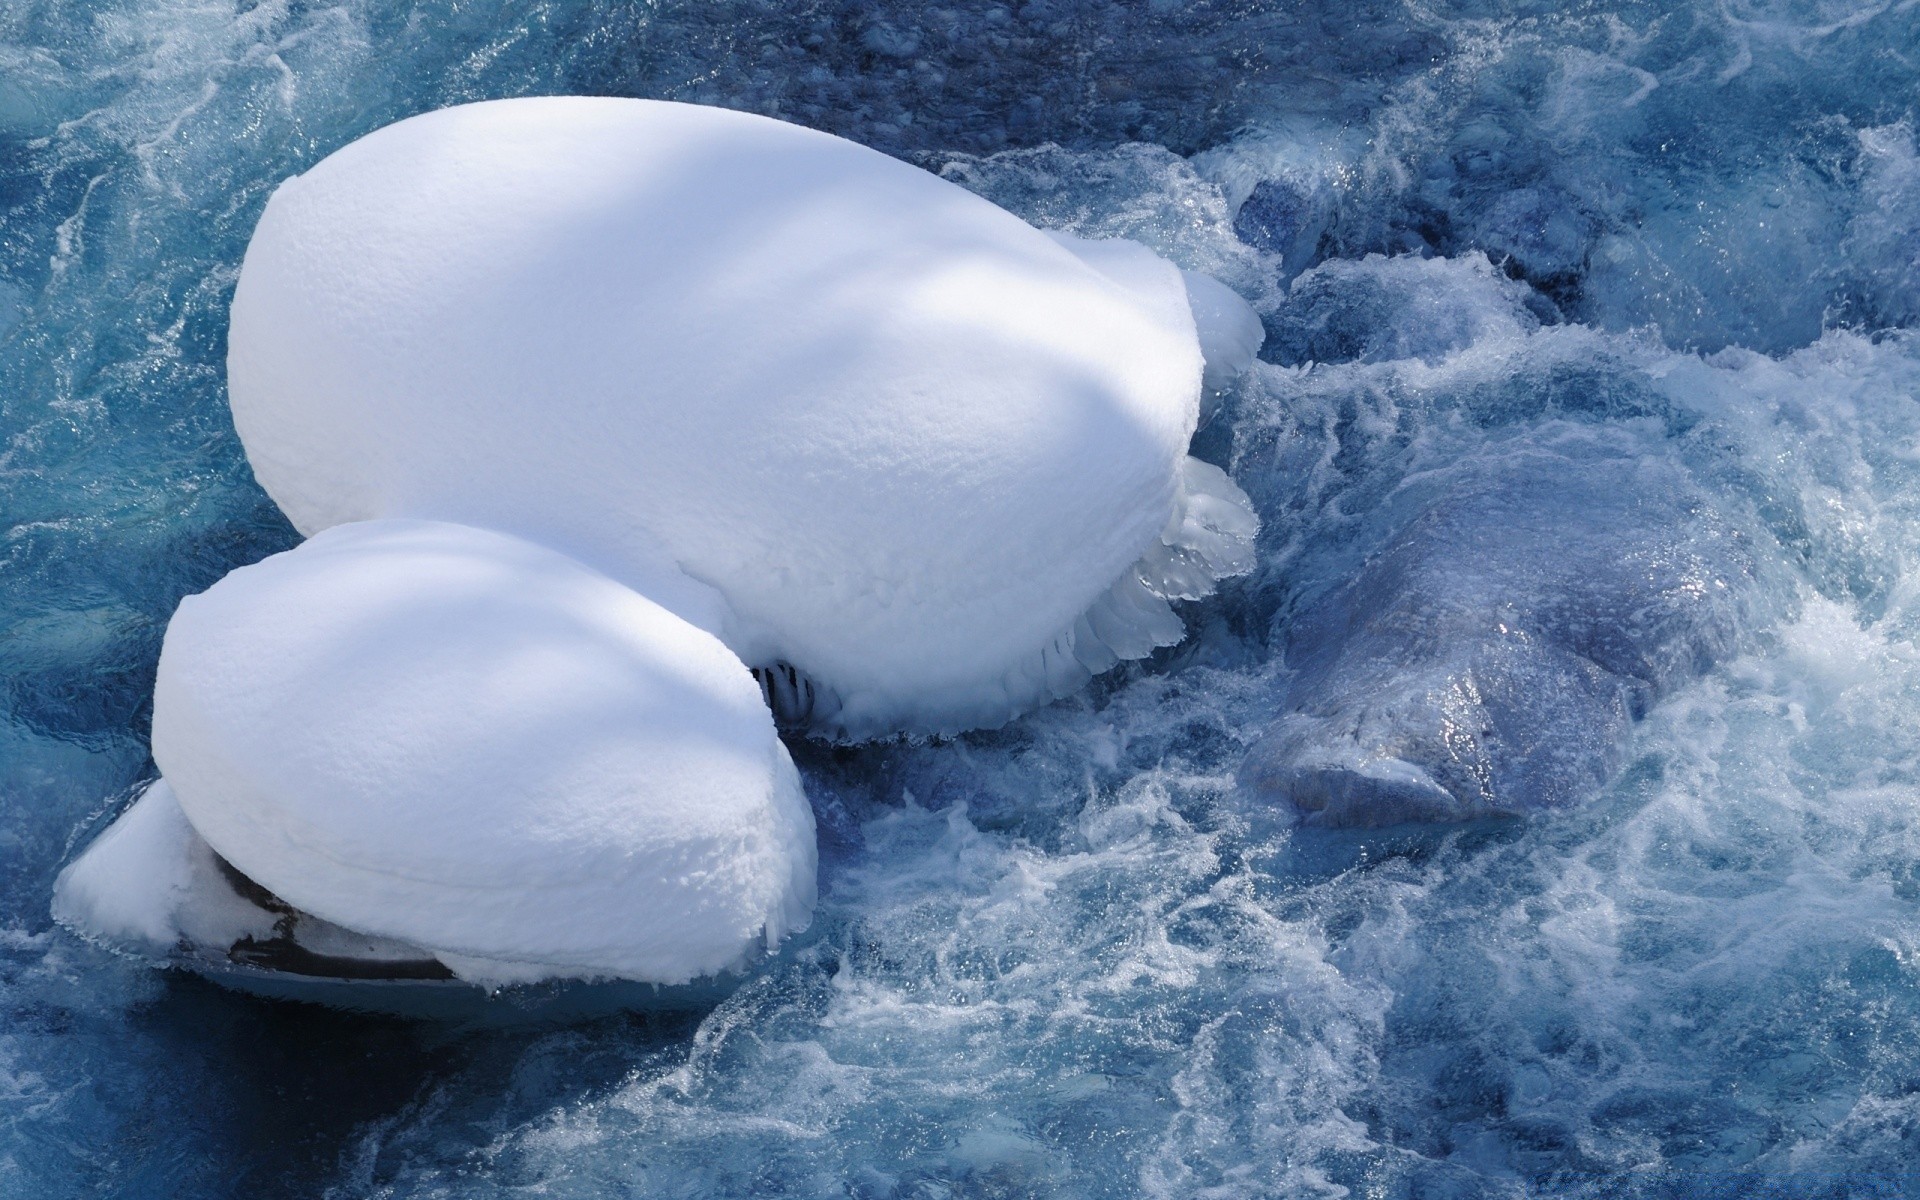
(1492, 657)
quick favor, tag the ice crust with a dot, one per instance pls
(896, 439)
(459, 740)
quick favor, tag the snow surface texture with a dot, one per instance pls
(462, 741)
(912, 447)
(1068, 957)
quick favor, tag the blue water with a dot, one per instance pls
(1678, 240)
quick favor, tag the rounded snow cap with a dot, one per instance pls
(464, 742)
(902, 451)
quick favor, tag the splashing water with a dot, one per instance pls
(1070, 957)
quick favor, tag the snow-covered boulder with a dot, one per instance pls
(455, 740)
(920, 464)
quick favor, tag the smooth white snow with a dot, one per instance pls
(459, 740)
(902, 440)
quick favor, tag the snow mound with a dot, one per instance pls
(901, 439)
(460, 741)
(148, 884)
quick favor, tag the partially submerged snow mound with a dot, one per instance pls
(908, 443)
(151, 885)
(463, 742)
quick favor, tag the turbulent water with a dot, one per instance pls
(1665, 248)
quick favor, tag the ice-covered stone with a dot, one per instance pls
(1492, 657)
(1378, 309)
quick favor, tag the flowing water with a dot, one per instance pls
(1671, 249)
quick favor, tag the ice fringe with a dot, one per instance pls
(1208, 537)
(152, 888)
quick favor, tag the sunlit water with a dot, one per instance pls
(1068, 958)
